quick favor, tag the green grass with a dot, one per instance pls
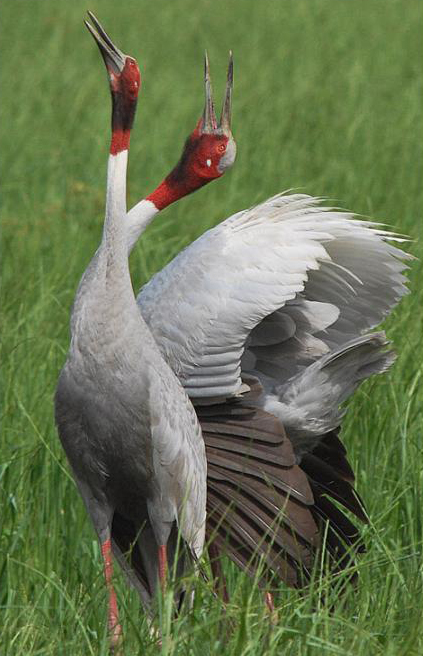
(328, 101)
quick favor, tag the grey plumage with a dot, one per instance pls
(128, 428)
(125, 422)
(298, 277)
(283, 292)
(310, 403)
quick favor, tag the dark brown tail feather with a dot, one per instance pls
(328, 453)
(279, 505)
(265, 512)
(263, 508)
(243, 509)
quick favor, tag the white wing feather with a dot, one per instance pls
(270, 290)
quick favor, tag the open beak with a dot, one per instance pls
(209, 124)
(113, 57)
(225, 118)
(209, 117)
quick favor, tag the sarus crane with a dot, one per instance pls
(126, 424)
(266, 320)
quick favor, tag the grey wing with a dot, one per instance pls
(310, 404)
(269, 291)
(179, 458)
(284, 292)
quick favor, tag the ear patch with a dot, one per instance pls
(208, 162)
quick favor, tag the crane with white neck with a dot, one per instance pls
(127, 426)
(208, 153)
(266, 320)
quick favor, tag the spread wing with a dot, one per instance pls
(269, 291)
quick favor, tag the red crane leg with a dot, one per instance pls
(162, 567)
(114, 627)
(270, 603)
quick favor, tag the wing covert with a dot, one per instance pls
(269, 291)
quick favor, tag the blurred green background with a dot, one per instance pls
(327, 101)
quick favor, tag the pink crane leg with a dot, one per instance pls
(270, 603)
(162, 567)
(268, 600)
(113, 614)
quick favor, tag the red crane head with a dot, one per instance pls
(211, 148)
(208, 152)
(125, 83)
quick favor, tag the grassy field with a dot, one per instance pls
(327, 101)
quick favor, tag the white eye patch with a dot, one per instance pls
(208, 162)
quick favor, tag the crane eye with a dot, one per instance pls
(221, 148)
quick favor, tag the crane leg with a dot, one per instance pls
(270, 603)
(162, 567)
(219, 580)
(115, 629)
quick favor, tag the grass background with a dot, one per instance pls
(328, 101)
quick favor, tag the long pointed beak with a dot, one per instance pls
(113, 57)
(225, 117)
(209, 117)
(208, 123)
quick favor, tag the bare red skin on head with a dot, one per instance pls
(124, 88)
(192, 170)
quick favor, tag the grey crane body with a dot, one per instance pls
(113, 392)
(285, 293)
(278, 298)
(102, 398)
(118, 405)
(128, 428)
